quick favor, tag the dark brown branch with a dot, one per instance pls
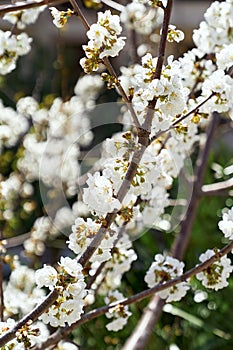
(163, 39)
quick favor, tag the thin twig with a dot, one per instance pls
(129, 105)
(179, 120)
(113, 5)
(183, 117)
(198, 80)
(81, 16)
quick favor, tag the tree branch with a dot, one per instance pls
(113, 5)
(12, 8)
(183, 117)
(162, 47)
(109, 67)
(181, 242)
(33, 316)
(141, 334)
(218, 188)
(61, 333)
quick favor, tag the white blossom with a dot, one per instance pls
(164, 269)
(140, 18)
(104, 41)
(174, 34)
(64, 345)
(82, 236)
(226, 224)
(224, 57)
(215, 276)
(11, 47)
(60, 17)
(25, 17)
(35, 244)
(121, 260)
(46, 277)
(21, 294)
(99, 195)
(69, 280)
(119, 313)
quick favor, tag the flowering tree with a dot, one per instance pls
(168, 109)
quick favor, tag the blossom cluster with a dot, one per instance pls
(51, 140)
(119, 313)
(215, 32)
(51, 152)
(140, 18)
(122, 257)
(15, 45)
(82, 236)
(12, 46)
(9, 119)
(24, 17)
(188, 91)
(21, 284)
(104, 41)
(215, 276)
(169, 92)
(29, 335)
(35, 244)
(226, 224)
(162, 270)
(60, 17)
(69, 281)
